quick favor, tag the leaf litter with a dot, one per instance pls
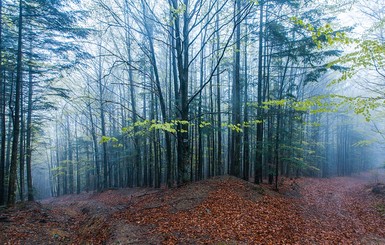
(220, 210)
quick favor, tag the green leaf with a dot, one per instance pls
(106, 139)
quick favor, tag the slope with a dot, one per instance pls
(221, 210)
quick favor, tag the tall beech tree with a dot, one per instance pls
(236, 96)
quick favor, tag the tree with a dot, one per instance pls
(259, 149)
(2, 112)
(167, 77)
(236, 96)
(39, 33)
(16, 114)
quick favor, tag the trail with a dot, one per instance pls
(69, 219)
(342, 210)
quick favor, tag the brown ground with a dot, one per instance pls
(222, 210)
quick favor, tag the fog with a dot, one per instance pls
(159, 93)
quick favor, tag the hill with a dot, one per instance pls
(221, 210)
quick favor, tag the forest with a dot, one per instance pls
(109, 94)
(192, 121)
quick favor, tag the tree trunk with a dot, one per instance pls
(95, 146)
(182, 57)
(2, 113)
(50, 165)
(58, 171)
(246, 132)
(219, 163)
(16, 116)
(70, 159)
(163, 108)
(78, 185)
(200, 147)
(102, 122)
(325, 166)
(137, 149)
(236, 98)
(29, 136)
(21, 147)
(259, 151)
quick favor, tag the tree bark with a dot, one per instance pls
(259, 150)
(70, 159)
(78, 184)
(246, 132)
(21, 147)
(96, 149)
(236, 97)
(182, 57)
(29, 136)
(2, 112)
(16, 115)
(325, 166)
(219, 163)
(102, 122)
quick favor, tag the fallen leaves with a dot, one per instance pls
(221, 210)
(224, 216)
(342, 208)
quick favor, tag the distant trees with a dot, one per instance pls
(26, 78)
(194, 89)
(171, 92)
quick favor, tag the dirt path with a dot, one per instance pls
(342, 210)
(71, 219)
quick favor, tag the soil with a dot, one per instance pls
(220, 210)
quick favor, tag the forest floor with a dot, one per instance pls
(221, 210)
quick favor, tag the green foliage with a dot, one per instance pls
(363, 143)
(331, 103)
(118, 145)
(366, 54)
(58, 171)
(251, 123)
(313, 105)
(361, 106)
(237, 128)
(323, 36)
(167, 127)
(106, 139)
(268, 104)
(313, 124)
(145, 126)
(204, 124)
(240, 126)
(181, 122)
(180, 10)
